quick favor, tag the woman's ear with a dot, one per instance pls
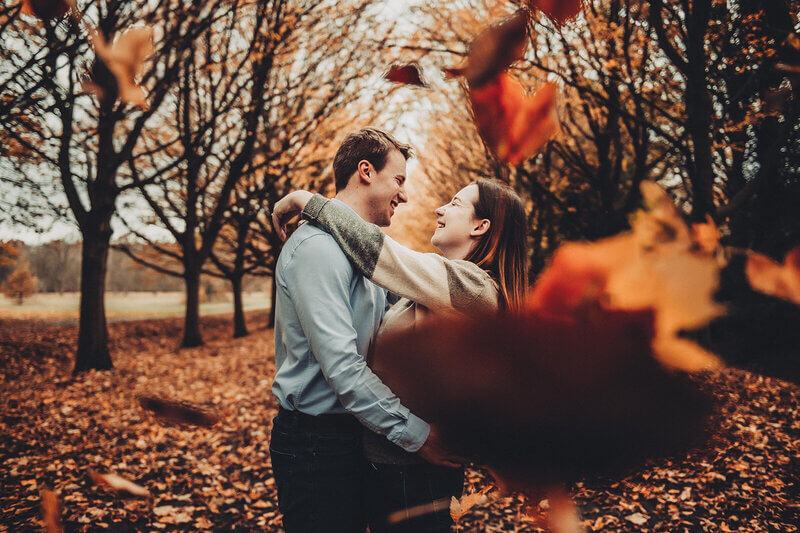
(365, 171)
(481, 228)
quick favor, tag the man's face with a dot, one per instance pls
(387, 189)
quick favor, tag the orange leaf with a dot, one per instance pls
(558, 10)
(118, 484)
(178, 412)
(51, 511)
(513, 124)
(494, 49)
(406, 74)
(459, 508)
(124, 59)
(775, 279)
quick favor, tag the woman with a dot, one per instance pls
(481, 235)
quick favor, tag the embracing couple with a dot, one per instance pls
(346, 452)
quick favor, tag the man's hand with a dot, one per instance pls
(434, 452)
(286, 209)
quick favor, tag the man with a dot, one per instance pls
(326, 317)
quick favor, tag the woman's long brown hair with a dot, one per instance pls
(502, 250)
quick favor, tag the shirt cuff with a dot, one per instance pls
(314, 206)
(413, 435)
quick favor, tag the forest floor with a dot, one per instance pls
(54, 429)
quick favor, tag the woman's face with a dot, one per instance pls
(457, 227)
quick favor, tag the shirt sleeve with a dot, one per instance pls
(319, 278)
(428, 279)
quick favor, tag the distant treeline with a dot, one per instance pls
(57, 266)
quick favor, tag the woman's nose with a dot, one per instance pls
(439, 211)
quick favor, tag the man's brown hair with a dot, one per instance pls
(366, 144)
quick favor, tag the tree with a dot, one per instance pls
(20, 284)
(73, 141)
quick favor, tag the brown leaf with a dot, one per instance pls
(776, 279)
(539, 398)
(47, 9)
(406, 74)
(124, 59)
(51, 511)
(513, 124)
(494, 49)
(178, 412)
(118, 484)
(559, 11)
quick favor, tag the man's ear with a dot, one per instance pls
(365, 171)
(482, 227)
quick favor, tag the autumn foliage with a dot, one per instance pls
(20, 284)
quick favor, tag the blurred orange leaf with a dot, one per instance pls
(51, 511)
(405, 74)
(558, 10)
(178, 412)
(124, 58)
(776, 279)
(513, 124)
(494, 49)
(118, 484)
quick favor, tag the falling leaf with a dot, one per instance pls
(494, 50)
(513, 124)
(559, 11)
(706, 235)
(51, 511)
(539, 398)
(653, 266)
(47, 9)
(459, 508)
(124, 58)
(564, 516)
(406, 74)
(776, 279)
(178, 412)
(118, 484)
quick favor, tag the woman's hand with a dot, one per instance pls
(287, 208)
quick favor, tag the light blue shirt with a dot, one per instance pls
(326, 316)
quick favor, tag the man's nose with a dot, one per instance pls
(402, 197)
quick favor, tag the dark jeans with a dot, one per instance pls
(391, 488)
(318, 464)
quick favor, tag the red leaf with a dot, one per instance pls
(494, 49)
(559, 11)
(406, 74)
(513, 124)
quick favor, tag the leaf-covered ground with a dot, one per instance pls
(55, 429)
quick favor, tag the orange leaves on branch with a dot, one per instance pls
(47, 9)
(494, 50)
(559, 11)
(776, 279)
(513, 124)
(178, 412)
(119, 484)
(51, 511)
(406, 74)
(124, 58)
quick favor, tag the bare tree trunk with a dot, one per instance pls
(191, 323)
(239, 323)
(93, 332)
